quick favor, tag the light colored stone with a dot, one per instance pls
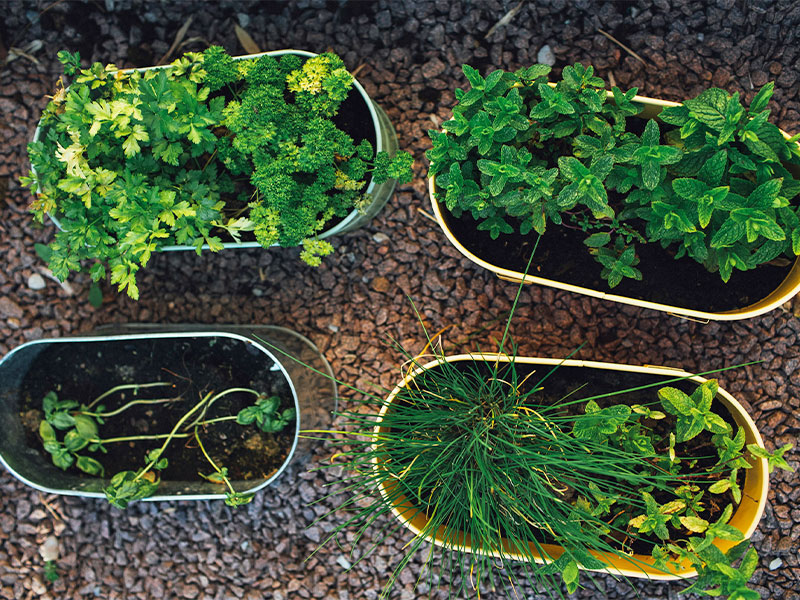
(49, 549)
(546, 56)
(36, 282)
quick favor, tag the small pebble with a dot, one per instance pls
(36, 282)
(545, 56)
(49, 549)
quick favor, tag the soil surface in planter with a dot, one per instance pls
(576, 383)
(196, 366)
(562, 256)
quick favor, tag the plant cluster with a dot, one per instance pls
(706, 179)
(481, 452)
(69, 430)
(201, 151)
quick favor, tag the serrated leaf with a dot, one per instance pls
(596, 240)
(570, 573)
(651, 174)
(675, 401)
(761, 99)
(694, 524)
(690, 189)
(728, 234)
(708, 115)
(727, 532)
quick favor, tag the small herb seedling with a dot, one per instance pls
(82, 425)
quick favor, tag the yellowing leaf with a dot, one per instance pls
(193, 136)
(672, 507)
(637, 522)
(131, 146)
(723, 485)
(694, 524)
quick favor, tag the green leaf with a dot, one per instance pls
(713, 169)
(571, 168)
(651, 135)
(716, 424)
(765, 193)
(43, 252)
(95, 295)
(46, 432)
(570, 573)
(688, 429)
(473, 76)
(674, 401)
(688, 188)
(62, 458)
(694, 524)
(761, 99)
(247, 415)
(719, 487)
(727, 532)
(597, 240)
(85, 426)
(89, 465)
(62, 420)
(651, 174)
(728, 234)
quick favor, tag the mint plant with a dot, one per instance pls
(204, 151)
(70, 430)
(707, 179)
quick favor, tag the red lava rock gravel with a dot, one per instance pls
(410, 54)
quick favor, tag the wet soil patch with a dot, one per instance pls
(195, 366)
(562, 256)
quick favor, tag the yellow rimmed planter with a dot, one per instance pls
(788, 288)
(745, 518)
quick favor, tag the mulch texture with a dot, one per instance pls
(410, 53)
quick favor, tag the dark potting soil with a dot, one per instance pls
(567, 386)
(195, 366)
(561, 255)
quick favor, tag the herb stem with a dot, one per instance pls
(128, 386)
(135, 438)
(129, 405)
(217, 420)
(217, 397)
(204, 402)
(213, 464)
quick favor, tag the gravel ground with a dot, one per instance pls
(411, 54)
